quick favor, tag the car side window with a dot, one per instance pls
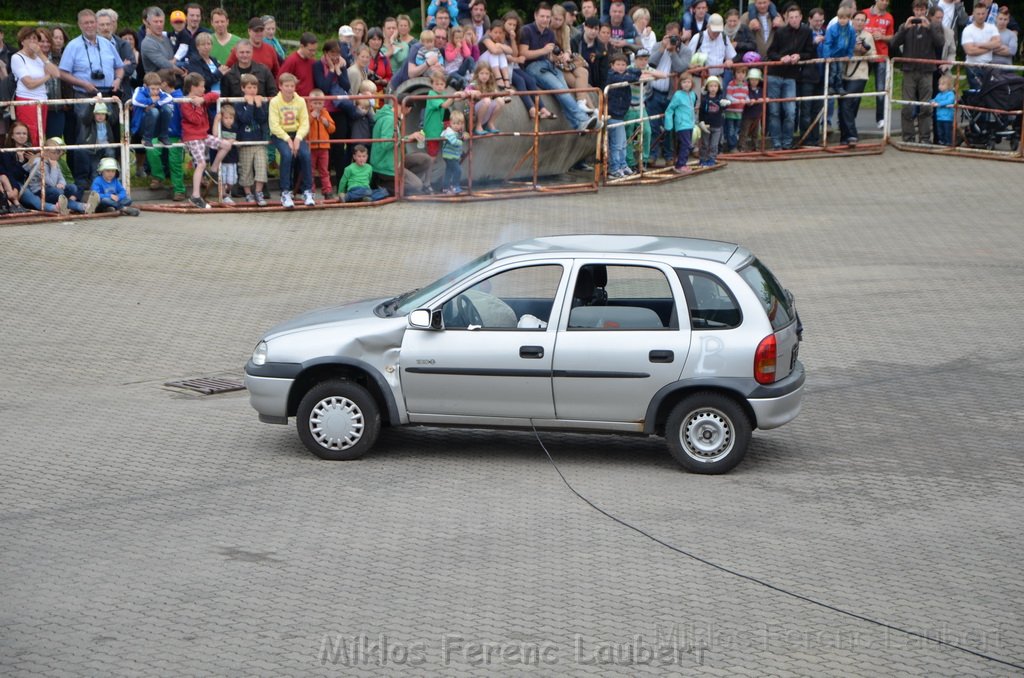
(712, 306)
(517, 299)
(620, 297)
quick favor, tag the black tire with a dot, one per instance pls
(708, 432)
(347, 411)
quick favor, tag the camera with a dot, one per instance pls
(674, 40)
(97, 74)
(917, 20)
(556, 51)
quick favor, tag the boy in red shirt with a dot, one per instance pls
(195, 132)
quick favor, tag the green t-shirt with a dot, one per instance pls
(354, 177)
(433, 117)
(222, 52)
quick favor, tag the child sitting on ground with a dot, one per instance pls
(679, 118)
(944, 102)
(251, 118)
(488, 105)
(321, 127)
(226, 126)
(110, 191)
(289, 127)
(451, 152)
(152, 110)
(354, 184)
(195, 131)
(46, 179)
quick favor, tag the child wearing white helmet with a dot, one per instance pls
(750, 124)
(712, 120)
(110, 191)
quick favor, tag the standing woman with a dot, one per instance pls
(404, 24)
(269, 33)
(59, 38)
(380, 58)
(398, 49)
(32, 70)
(54, 87)
(359, 31)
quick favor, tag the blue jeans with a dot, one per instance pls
(549, 77)
(732, 133)
(781, 116)
(616, 145)
(30, 199)
(359, 192)
(452, 173)
(879, 70)
(156, 121)
(657, 103)
(684, 139)
(944, 132)
(848, 109)
(302, 159)
(108, 205)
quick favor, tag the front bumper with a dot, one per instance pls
(774, 410)
(269, 397)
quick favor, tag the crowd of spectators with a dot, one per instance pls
(172, 68)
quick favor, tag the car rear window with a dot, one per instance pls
(772, 295)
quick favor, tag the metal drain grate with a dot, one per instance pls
(208, 385)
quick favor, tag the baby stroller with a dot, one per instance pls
(1000, 90)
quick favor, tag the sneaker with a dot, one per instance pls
(307, 199)
(166, 141)
(628, 171)
(286, 200)
(148, 143)
(155, 184)
(260, 200)
(328, 196)
(228, 200)
(199, 202)
(250, 198)
(130, 211)
(685, 169)
(616, 174)
(881, 124)
(852, 141)
(62, 206)
(594, 122)
(456, 190)
(179, 197)
(92, 202)
(367, 198)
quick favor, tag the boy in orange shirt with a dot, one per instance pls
(321, 127)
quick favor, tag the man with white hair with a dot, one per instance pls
(106, 26)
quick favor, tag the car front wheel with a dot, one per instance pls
(338, 420)
(708, 433)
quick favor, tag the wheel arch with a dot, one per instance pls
(320, 369)
(669, 396)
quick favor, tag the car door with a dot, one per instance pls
(493, 356)
(620, 340)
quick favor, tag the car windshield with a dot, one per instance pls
(410, 301)
(771, 294)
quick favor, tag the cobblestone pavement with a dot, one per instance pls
(144, 531)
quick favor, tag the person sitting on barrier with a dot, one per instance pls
(944, 102)
(753, 112)
(32, 70)
(110, 191)
(761, 16)
(494, 54)
(458, 58)
(537, 44)
(574, 69)
(152, 110)
(453, 136)
(195, 128)
(225, 126)
(321, 126)
(855, 79)
(488, 105)
(679, 118)
(738, 94)
(428, 56)
(251, 115)
(289, 127)
(793, 43)
(917, 38)
(46, 179)
(450, 8)
(519, 79)
(354, 183)
(712, 119)
(979, 40)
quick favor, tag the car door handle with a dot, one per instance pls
(531, 351)
(661, 356)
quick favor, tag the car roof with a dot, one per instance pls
(713, 250)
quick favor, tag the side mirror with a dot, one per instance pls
(420, 319)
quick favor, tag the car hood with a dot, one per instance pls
(326, 316)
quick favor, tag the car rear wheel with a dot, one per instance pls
(708, 433)
(338, 420)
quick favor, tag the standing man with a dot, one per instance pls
(156, 50)
(300, 64)
(106, 26)
(262, 52)
(811, 82)
(478, 21)
(979, 39)
(881, 26)
(231, 83)
(223, 41)
(917, 38)
(669, 56)
(793, 43)
(194, 20)
(537, 44)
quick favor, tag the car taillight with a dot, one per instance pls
(764, 360)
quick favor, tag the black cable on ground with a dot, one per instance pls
(761, 582)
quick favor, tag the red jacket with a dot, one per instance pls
(264, 54)
(195, 123)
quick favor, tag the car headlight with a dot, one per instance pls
(259, 354)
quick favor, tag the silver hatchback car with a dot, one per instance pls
(691, 339)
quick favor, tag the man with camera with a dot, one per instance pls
(917, 38)
(668, 56)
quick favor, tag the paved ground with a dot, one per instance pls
(147, 532)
